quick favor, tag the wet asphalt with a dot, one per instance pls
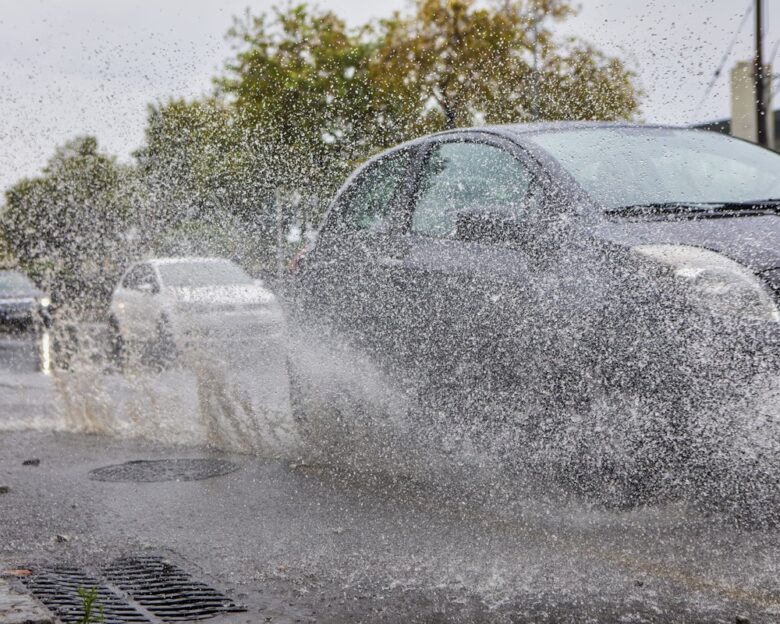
(303, 543)
(306, 544)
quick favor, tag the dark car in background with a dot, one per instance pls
(597, 287)
(22, 304)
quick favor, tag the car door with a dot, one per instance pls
(124, 299)
(343, 280)
(467, 290)
(135, 307)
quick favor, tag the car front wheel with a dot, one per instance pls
(117, 346)
(163, 352)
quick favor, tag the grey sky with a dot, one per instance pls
(70, 67)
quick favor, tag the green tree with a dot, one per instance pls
(6, 256)
(314, 98)
(300, 85)
(302, 102)
(188, 153)
(207, 180)
(458, 63)
(68, 227)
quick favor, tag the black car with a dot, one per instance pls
(592, 288)
(22, 304)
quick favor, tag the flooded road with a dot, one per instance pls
(298, 542)
(304, 543)
(230, 396)
(379, 315)
(27, 396)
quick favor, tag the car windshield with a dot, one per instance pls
(13, 282)
(197, 274)
(621, 167)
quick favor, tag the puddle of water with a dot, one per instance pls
(232, 395)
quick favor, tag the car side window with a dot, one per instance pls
(130, 280)
(462, 177)
(140, 275)
(366, 204)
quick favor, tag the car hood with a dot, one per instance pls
(23, 294)
(223, 295)
(753, 241)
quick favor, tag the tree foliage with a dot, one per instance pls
(323, 97)
(67, 226)
(448, 63)
(303, 100)
(458, 63)
(300, 85)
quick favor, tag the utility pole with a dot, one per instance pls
(537, 17)
(278, 196)
(758, 75)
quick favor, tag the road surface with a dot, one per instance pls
(303, 543)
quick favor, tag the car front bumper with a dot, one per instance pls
(231, 327)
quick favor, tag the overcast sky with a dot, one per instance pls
(71, 67)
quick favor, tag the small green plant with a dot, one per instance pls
(89, 603)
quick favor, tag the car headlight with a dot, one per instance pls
(45, 302)
(725, 287)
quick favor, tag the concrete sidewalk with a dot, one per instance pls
(17, 607)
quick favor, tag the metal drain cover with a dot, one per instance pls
(147, 471)
(57, 588)
(166, 591)
(144, 589)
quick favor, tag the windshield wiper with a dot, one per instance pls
(762, 206)
(652, 208)
(773, 202)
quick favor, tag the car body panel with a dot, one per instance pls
(195, 314)
(20, 307)
(753, 241)
(549, 317)
(137, 313)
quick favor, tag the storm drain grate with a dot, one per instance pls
(136, 589)
(57, 588)
(147, 471)
(166, 591)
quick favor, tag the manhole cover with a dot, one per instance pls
(146, 471)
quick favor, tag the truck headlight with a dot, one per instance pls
(45, 302)
(725, 287)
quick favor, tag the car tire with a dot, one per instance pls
(163, 350)
(297, 400)
(64, 344)
(117, 346)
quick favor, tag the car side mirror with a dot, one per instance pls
(488, 225)
(146, 289)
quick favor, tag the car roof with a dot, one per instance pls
(519, 130)
(183, 259)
